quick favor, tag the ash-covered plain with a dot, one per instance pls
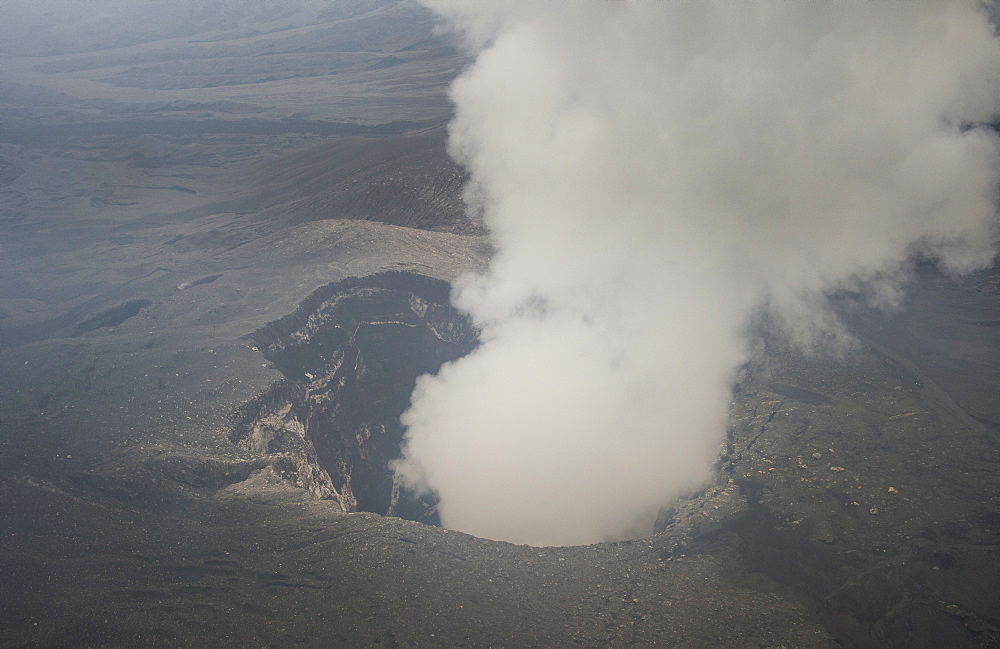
(227, 238)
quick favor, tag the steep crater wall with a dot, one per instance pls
(350, 355)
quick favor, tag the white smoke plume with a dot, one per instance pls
(652, 174)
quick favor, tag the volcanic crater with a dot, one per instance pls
(350, 356)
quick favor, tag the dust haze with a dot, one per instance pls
(653, 175)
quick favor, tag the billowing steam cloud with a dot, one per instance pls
(652, 174)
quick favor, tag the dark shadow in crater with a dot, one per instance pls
(351, 354)
(114, 316)
(198, 282)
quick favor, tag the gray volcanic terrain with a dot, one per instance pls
(228, 233)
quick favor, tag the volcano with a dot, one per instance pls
(229, 240)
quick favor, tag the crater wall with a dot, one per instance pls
(350, 355)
